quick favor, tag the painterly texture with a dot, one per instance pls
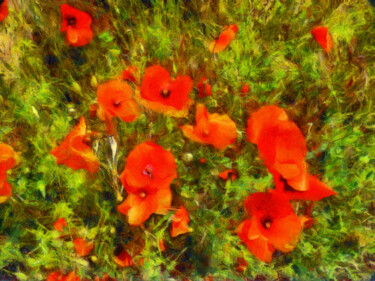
(47, 85)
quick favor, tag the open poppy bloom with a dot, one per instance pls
(82, 247)
(224, 39)
(204, 88)
(5, 189)
(116, 99)
(160, 93)
(217, 130)
(76, 24)
(130, 74)
(3, 9)
(322, 36)
(148, 166)
(180, 221)
(59, 276)
(141, 204)
(317, 190)
(59, 224)
(74, 151)
(272, 225)
(8, 158)
(124, 259)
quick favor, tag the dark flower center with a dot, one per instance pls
(116, 103)
(71, 21)
(287, 187)
(266, 222)
(1, 1)
(165, 93)
(148, 171)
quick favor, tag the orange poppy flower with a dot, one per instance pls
(58, 276)
(130, 74)
(140, 205)
(74, 151)
(124, 259)
(59, 224)
(204, 88)
(322, 36)
(180, 221)
(272, 225)
(148, 166)
(161, 245)
(82, 247)
(228, 174)
(3, 9)
(161, 93)
(116, 99)
(5, 189)
(217, 130)
(8, 158)
(224, 39)
(76, 24)
(317, 190)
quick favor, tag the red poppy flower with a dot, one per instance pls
(82, 247)
(140, 205)
(228, 174)
(5, 189)
(161, 245)
(322, 36)
(161, 93)
(8, 158)
(180, 222)
(58, 276)
(317, 190)
(148, 166)
(273, 225)
(204, 88)
(217, 130)
(59, 224)
(224, 39)
(116, 99)
(124, 259)
(104, 278)
(76, 24)
(74, 151)
(130, 74)
(245, 89)
(3, 9)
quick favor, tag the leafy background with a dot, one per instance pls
(46, 85)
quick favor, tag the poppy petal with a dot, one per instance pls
(224, 39)
(322, 36)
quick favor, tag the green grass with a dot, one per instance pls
(330, 97)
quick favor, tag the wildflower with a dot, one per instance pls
(161, 93)
(180, 221)
(5, 189)
(148, 166)
(74, 151)
(232, 174)
(272, 225)
(82, 247)
(322, 36)
(317, 190)
(8, 158)
(130, 74)
(3, 9)
(116, 99)
(217, 130)
(76, 24)
(245, 89)
(124, 259)
(204, 88)
(59, 224)
(59, 276)
(161, 245)
(224, 39)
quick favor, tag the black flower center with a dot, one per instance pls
(266, 222)
(1, 1)
(116, 103)
(71, 21)
(165, 93)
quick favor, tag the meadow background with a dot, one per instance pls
(46, 86)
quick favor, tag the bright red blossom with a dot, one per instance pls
(5, 189)
(204, 88)
(224, 39)
(180, 221)
(161, 93)
(82, 247)
(3, 10)
(245, 89)
(217, 130)
(272, 225)
(59, 276)
(74, 151)
(77, 25)
(59, 224)
(124, 259)
(322, 36)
